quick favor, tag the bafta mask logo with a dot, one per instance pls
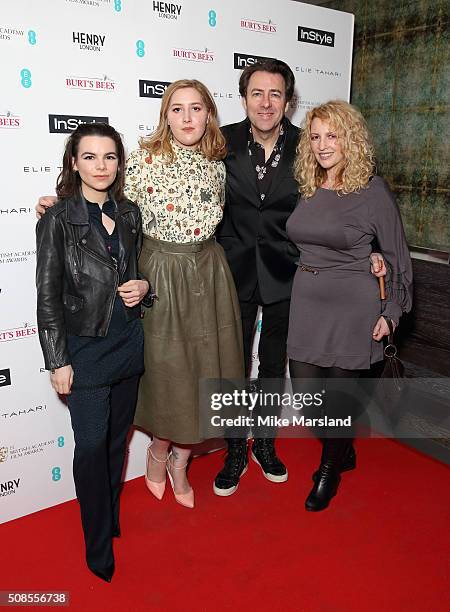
(3, 453)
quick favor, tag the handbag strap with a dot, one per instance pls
(390, 350)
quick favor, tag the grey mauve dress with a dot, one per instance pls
(335, 305)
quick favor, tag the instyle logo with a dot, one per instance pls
(152, 89)
(65, 124)
(8, 121)
(242, 60)
(90, 83)
(5, 378)
(194, 55)
(315, 37)
(264, 27)
(167, 10)
(17, 333)
(89, 42)
(9, 487)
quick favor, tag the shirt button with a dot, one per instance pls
(133, 231)
(72, 307)
(84, 241)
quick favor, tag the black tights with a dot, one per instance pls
(340, 400)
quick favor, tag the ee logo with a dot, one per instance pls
(25, 78)
(212, 18)
(61, 441)
(117, 5)
(140, 48)
(259, 326)
(56, 474)
(32, 37)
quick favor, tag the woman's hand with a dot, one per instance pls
(377, 266)
(44, 202)
(133, 291)
(62, 379)
(381, 329)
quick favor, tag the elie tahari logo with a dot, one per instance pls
(242, 60)
(65, 124)
(315, 37)
(89, 42)
(152, 89)
(167, 10)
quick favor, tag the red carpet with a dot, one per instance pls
(382, 544)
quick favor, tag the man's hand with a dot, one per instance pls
(62, 379)
(377, 266)
(133, 291)
(44, 202)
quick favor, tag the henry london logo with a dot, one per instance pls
(103, 83)
(18, 333)
(194, 55)
(9, 487)
(166, 10)
(65, 124)
(5, 377)
(315, 37)
(89, 42)
(152, 89)
(242, 60)
(9, 121)
(264, 27)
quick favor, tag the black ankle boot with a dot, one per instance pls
(236, 464)
(348, 461)
(328, 475)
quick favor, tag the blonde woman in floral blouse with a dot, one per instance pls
(193, 330)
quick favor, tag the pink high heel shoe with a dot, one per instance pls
(185, 499)
(156, 488)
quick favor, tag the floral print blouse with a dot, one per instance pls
(180, 201)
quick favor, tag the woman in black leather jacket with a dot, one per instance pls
(88, 313)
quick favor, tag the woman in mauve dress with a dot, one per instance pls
(337, 319)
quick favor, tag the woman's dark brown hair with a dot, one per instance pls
(68, 182)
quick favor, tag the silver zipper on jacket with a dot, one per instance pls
(51, 346)
(116, 282)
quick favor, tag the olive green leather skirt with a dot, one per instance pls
(192, 332)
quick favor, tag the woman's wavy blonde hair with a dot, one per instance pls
(212, 144)
(358, 166)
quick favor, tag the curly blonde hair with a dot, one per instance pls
(212, 144)
(359, 164)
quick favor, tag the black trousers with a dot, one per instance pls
(271, 353)
(101, 418)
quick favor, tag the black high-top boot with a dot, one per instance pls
(236, 464)
(328, 477)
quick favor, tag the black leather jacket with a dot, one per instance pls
(75, 277)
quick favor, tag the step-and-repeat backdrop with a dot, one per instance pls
(67, 62)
